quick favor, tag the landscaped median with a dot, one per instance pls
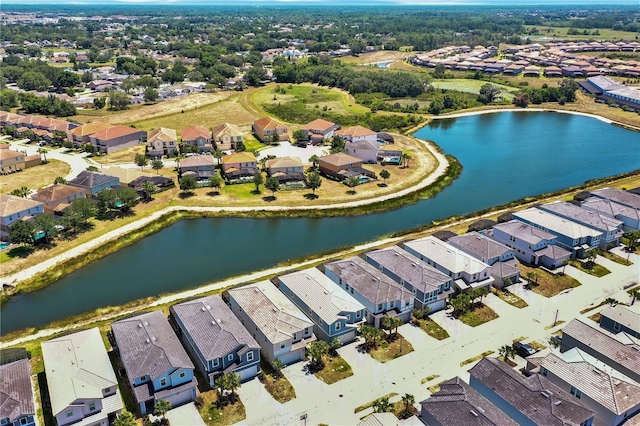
(545, 283)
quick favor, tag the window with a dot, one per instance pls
(338, 326)
(282, 345)
(23, 421)
(92, 406)
(182, 375)
(616, 326)
(544, 372)
(250, 356)
(393, 302)
(295, 336)
(163, 382)
(576, 392)
(306, 330)
(380, 306)
(216, 362)
(358, 314)
(69, 413)
(230, 357)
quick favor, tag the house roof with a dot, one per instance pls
(447, 256)
(162, 134)
(457, 403)
(239, 157)
(611, 208)
(479, 245)
(375, 286)
(554, 252)
(619, 196)
(10, 204)
(627, 316)
(525, 232)
(115, 132)
(77, 367)
(284, 162)
(380, 419)
(535, 397)
(226, 128)
(339, 159)
(6, 154)
(355, 132)
(363, 144)
(595, 379)
(55, 192)
(556, 224)
(323, 296)
(318, 124)
(87, 179)
(193, 132)
(268, 123)
(412, 270)
(197, 160)
(149, 346)
(212, 327)
(271, 311)
(584, 216)
(16, 392)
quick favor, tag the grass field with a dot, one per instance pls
(34, 177)
(471, 86)
(546, 284)
(379, 56)
(595, 270)
(561, 33)
(123, 156)
(478, 315)
(510, 298)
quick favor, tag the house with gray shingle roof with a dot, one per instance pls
(614, 397)
(281, 329)
(334, 312)
(93, 182)
(629, 216)
(82, 384)
(215, 338)
(380, 295)
(619, 196)
(16, 394)
(429, 286)
(157, 366)
(457, 403)
(532, 400)
(621, 319)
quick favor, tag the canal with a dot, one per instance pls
(505, 156)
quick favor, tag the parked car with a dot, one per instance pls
(523, 349)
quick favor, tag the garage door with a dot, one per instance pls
(348, 337)
(248, 373)
(181, 397)
(291, 357)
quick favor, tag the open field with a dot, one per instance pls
(34, 177)
(547, 33)
(379, 56)
(546, 284)
(123, 156)
(471, 86)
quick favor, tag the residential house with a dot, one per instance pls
(629, 216)
(318, 130)
(378, 293)
(269, 130)
(13, 209)
(614, 397)
(531, 245)
(239, 165)
(162, 141)
(158, 182)
(286, 169)
(335, 313)
(619, 351)
(281, 329)
(157, 366)
(621, 319)
(342, 166)
(530, 401)
(11, 161)
(429, 286)
(504, 266)
(81, 135)
(215, 339)
(357, 134)
(625, 198)
(365, 150)
(116, 138)
(17, 407)
(226, 136)
(572, 236)
(197, 137)
(83, 388)
(200, 166)
(465, 270)
(610, 228)
(94, 182)
(57, 194)
(457, 403)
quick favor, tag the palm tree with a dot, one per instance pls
(23, 192)
(125, 418)
(317, 350)
(408, 400)
(507, 352)
(43, 152)
(233, 382)
(263, 163)
(314, 161)
(161, 407)
(635, 294)
(406, 158)
(148, 189)
(382, 405)
(564, 265)
(611, 301)
(277, 366)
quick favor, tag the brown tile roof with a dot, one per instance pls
(268, 123)
(163, 134)
(115, 132)
(31, 119)
(193, 132)
(318, 124)
(227, 128)
(285, 162)
(55, 192)
(32, 157)
(239, 157)
(356, 131)
(197, 160)
(339, 159)
(10, 204)
(90, 128)
(6, 154)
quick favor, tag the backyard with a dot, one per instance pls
(34, 177)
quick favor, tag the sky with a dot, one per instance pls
(327, 2)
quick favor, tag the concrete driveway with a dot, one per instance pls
(185, 415)
(285, 149)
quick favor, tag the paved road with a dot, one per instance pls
(78, 162)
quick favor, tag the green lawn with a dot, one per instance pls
(615, 258)
(280, 389)
(335, 369)
(220, 416)
(241, 190)
(387, 351)
(432, 328)
(471, 86)
(592, 269)
(546, 284)
(478, 316)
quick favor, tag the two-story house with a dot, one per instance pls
(157, 366)
(239, 165)
(610, 228)
(357, 134)
(198, 137)
(94, 182)
(621, 319)
(572, 236)
(467, 271)
(82, 384)
(286, 169)
(215, 339)
(199, 166)
(162, 141)
(501, 258)
(629, 216)
(17, 407)
(269, 130)
(334, 312)
(379, 294)
(11, 161)
(620, 196)
(56, 194)
(281, 329)
(342, 166)
(530, 245)
(318, 130)
(14, 208)
(429, 286)
(116, 138)
(226, 136)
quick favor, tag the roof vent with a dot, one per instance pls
(545, 394)
(473, 413)
(203, 309)
(480, 409)
(153, 339)
(146, 323)
(147, 340)
(558, 402)
(208, 308)
(139, 325)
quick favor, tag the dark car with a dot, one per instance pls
(523, 349)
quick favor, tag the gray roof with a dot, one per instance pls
(212, 327)
(270, 310)
(16, 393)
(447, 256)
(375, 286)
(478, 245)
(525, 232)
(619, 196)
(554, 252)
(507, 269)
(412, 270)
(584, 216)
(87, 179)
(535, 397)
(628, 316)
(149, 346)
(457, 403)
(323, 296)
(556, 224)
(610, 207)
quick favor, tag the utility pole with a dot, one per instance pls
(555, 321)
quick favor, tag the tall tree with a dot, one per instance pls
(43, 153)
(257, 181)
(384, 174)
(45, 224)
(141, 160)
(157, 165)
(272, 184)
(314, 181)
(316, 351)
(161, 407)
(22, 232)
(215, 182)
